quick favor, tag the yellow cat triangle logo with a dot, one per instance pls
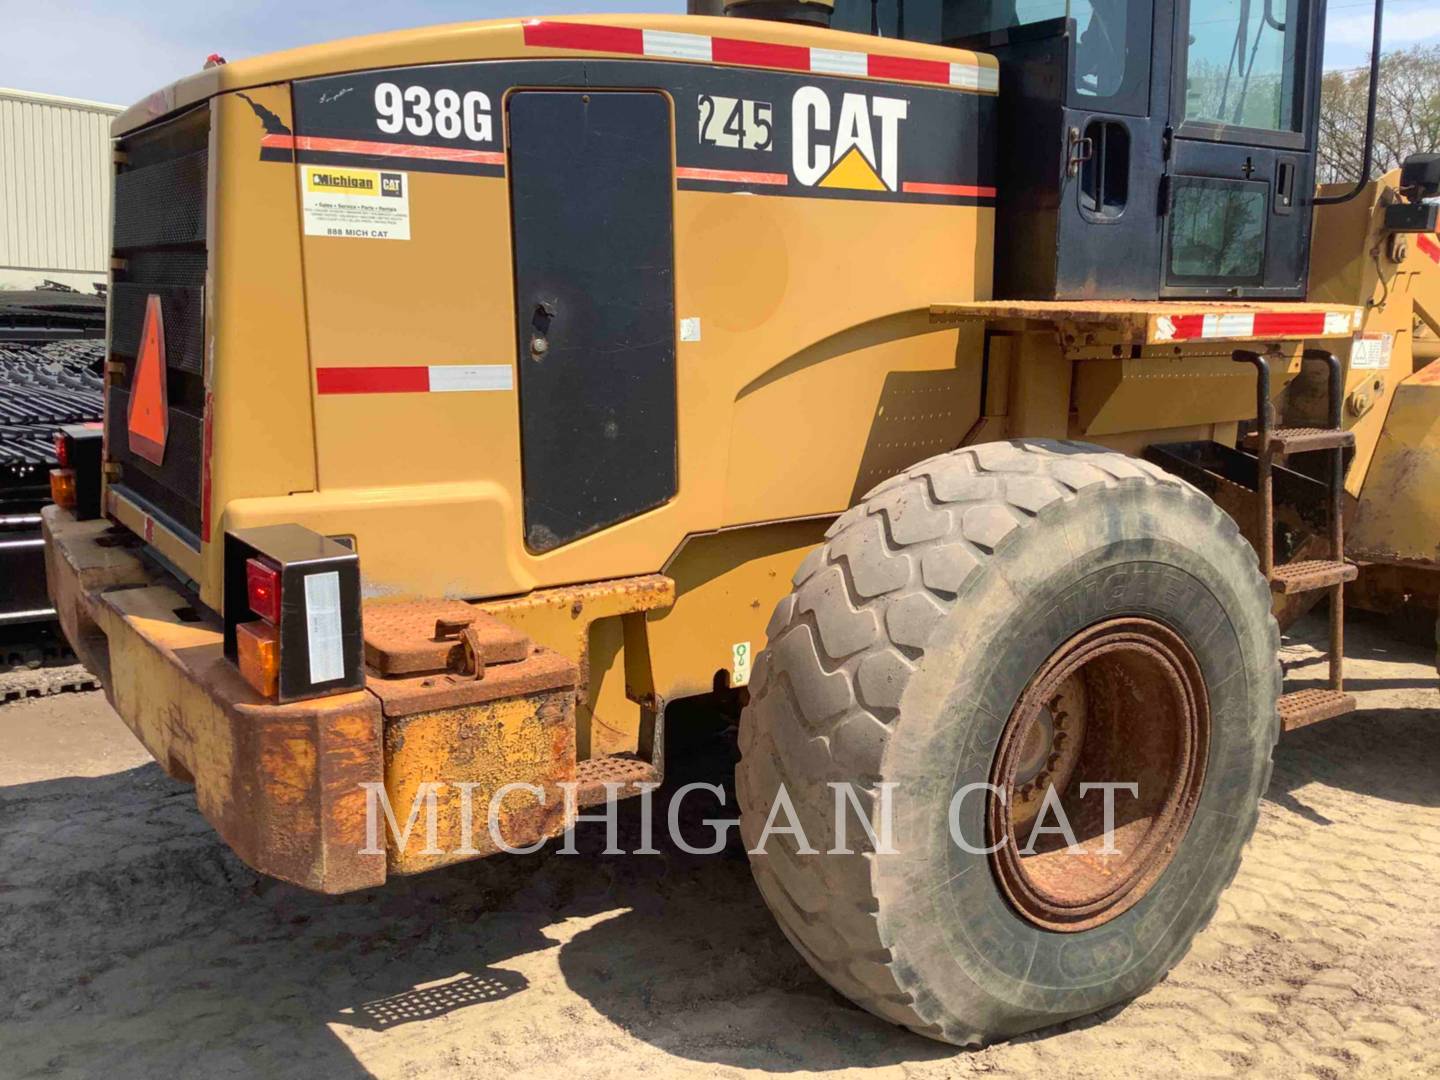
(853, 171)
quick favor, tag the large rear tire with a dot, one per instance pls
(911, 654)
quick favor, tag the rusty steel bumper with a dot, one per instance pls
(281, 784)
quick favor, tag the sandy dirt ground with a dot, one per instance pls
(132, 944)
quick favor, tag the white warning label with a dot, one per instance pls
(1372, 351)
(365, 204)
(322, 627)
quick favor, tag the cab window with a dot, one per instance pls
(1112, 37)
(1240, 64)
(913, 20)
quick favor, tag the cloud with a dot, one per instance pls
(1404, 24)
(119, 51)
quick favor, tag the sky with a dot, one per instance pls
(119, 50)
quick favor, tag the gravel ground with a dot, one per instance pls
(132, 944)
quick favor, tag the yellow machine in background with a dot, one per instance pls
(1391, 398)
(474, 392)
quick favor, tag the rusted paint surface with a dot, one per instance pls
(1395, 589)
(84, 565)
(577, 621)
(281, 784)
(542, 670)
(1131, 691)
(517, 740)
(401, 637)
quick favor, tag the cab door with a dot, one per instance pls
(1240, 148)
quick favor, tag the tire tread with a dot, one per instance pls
(902, 572)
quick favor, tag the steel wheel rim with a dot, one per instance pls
(1146, 720)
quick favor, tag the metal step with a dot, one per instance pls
(1300, 440)
(627, 770)
(1305, 707)
(1311, 574)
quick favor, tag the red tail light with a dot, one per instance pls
(62, 450)
(262, 586)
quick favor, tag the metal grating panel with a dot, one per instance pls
(174, 486)
(184, 317)
(167, 266)
(162, 203)
(160, 233)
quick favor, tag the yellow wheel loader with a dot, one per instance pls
(960, 384)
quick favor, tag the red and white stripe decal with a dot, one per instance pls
(968, 191)
(732, 176)
(414, 379)
(706, 49)
(1252, 324)
(1429, 247)
(383, 149)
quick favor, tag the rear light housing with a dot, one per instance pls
(292, 612)
(76, 484)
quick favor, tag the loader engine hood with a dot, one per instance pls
(458, 288)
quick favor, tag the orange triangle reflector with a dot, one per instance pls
(149, 415)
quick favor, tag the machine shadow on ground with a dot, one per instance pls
(132, 943)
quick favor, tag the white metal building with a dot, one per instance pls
(55, 176)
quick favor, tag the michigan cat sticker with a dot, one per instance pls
(363, 204)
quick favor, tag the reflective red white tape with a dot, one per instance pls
(369, 148)
(707, 49)
(414, 379)
(1253, 324)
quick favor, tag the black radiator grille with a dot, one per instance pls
(160, 234)
(161, 204)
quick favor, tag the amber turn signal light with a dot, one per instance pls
(62, 488)
(258, 650)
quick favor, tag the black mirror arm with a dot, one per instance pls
(1368, 155)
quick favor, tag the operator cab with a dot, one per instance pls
(1147, 148)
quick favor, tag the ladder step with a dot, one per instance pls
(1311, 574)
(1299, 440)
(1305, 707)
(627, 770)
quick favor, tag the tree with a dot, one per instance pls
(1407, 113)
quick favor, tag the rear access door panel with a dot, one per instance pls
(592, 204)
